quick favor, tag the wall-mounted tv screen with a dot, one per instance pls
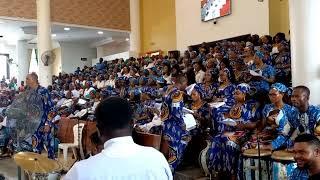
(212, 9)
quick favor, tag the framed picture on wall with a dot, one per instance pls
(213, 9)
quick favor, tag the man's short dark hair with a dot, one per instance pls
(308, 138)
(112, 114)
(304, 89)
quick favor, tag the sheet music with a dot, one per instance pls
(216, 104)
(189, 121)
(254, 73)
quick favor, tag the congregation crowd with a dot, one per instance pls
(247, 82)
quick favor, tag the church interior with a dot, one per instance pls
(223, 89)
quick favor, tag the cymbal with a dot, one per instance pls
(35, 163)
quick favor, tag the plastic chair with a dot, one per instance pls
(77, 138)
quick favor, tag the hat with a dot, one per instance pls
(280, 87)
(243, 87)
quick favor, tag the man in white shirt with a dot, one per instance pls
(121, 158)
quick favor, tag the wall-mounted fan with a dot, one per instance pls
(47, 58)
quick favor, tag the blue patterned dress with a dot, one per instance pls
(283, 130)
(227, 94)
(142, 110)
(224, 153)
(174, 130)
(263, 85)
(40, 137)
(280, 60)
(209, 91)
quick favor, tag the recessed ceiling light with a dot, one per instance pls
(100, 32)
(127, 39)
(53, 35)
(66, 29)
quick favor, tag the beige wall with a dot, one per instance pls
(114, 14)
(279, 17)
(248, 16)
(113, 48)
(158, 25)
(56, 66)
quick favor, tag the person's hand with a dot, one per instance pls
(271, 119)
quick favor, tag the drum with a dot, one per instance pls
(147, 139)
(282, 164)
(251, 164)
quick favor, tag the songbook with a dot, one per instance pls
(189, 121)
(216, 104)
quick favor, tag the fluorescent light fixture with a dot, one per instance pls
(1, 22)
(66, 29)
(127, 39)
(53, 35)
(100, 32)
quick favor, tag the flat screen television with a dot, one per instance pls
(213, 9)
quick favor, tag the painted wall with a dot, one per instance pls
(249, 16)
(12, 51)
(279, 17)
(158, 24)
(124, 55)
(71, 53)
(57, 66)
(113, 48)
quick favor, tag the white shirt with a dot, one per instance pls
(110, 82)
(122, 159)
(75, 93)
(199, 76)
(101, 84)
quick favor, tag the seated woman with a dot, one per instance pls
(201, 114)
(282, 63)
(225, 148)
(225, 89)
(265, 74)
(144, 113)
(280, 126)
(208, 86)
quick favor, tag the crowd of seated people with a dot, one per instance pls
(247, 81)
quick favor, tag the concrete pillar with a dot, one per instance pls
(304, 32)
(23, 57)
(44, 40)
(135, 42)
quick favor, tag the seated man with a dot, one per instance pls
(307, 156)
(306, 116)
(121, 158)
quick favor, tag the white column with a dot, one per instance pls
(304, 32)
(44, 40)
(23, 60)
(135, 46)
